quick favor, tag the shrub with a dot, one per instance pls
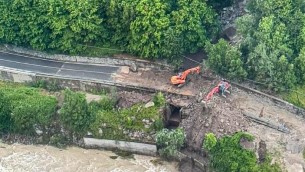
(34, 111)
(5, 113)
(226, 154)
(170, 141)
(209, 141)
(74, 113)
(225, 60)
(48, 85)
(159, 99)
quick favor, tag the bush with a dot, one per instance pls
(34, 111)
(226, 154)
(159, 99)
(48, 85)
(74, 113)
(225, 60)
(29, 108)
(209, 141)
(170, 141)
(5, 113)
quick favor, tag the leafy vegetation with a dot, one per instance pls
(226, 60)
(27, 109)
(170, 141)
(5, 113)
(159, 99)
(272, 44)
(226, 154)
(150, 29)
(74, 113)
(296, 97)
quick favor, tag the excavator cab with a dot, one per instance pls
(181, 79)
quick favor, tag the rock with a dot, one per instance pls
(149, 104)
(89, 133)
(146, 126)
(221, 120)
(125, 69)
(295, 167)
(100, 131)
(207, 125)
(133, 67)
(294, 147)
(38, 132)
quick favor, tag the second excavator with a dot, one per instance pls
(181, 78)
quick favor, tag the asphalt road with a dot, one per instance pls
(57, 68)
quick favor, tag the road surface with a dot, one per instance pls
(57, 68)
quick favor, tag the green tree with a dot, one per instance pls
(73, 23)
(170, 141)
(299, 64)
(225, 59)
(5, 113)
(194, 23)
(118, 15)
(272, 39)
(148, 28)
(74, 113)
(226, 154)
(286, 79)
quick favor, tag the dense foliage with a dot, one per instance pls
(170, 141)
(5, 113)
(27, 110)
(150, 29)
(226, 60)
(74, 113)
(273, 39)
(226, 154)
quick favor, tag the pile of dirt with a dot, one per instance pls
(224, 116)
(128, 99)
(221, 117)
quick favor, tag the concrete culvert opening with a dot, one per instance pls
(173, 117)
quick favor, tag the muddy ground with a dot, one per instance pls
(225, 116)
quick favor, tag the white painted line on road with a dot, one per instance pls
(75, 70)
(59, 61)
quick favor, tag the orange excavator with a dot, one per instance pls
(181, 78)
(221, 88)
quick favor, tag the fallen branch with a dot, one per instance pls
(281, 128)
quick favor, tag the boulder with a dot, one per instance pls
(125, 69)
(149, 104)
(230, 32)
(133, 67)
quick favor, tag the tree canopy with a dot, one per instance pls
(149, 29)
(273, 37)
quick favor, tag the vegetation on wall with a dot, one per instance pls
(226, 154)
(34, 111)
